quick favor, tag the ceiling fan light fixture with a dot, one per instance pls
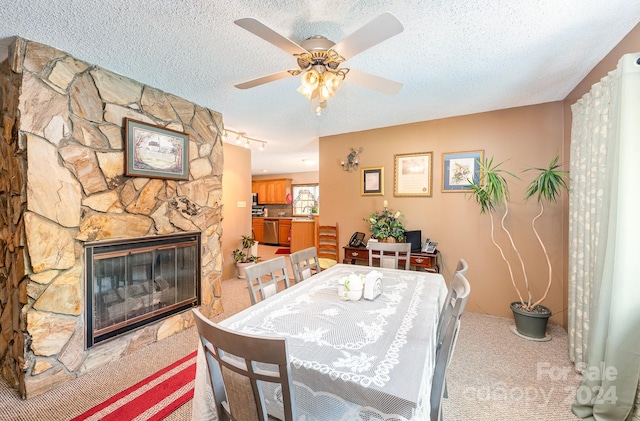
(319, 59)
(306, 91)
(319, 84)
(333, 81)
(311, 79)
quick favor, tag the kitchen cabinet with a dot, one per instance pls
(257, 224)
(260, 188)
(272, 192)
(284, 232)
(303, 234)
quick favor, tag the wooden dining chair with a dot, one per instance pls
(389, 254)
(232, 361)
(328, 245)
(304, 264)
(266, 278)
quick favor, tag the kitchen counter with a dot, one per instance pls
(297, 232)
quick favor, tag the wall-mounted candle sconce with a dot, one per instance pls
(351, 164)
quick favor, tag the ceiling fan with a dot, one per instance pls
(319, 59)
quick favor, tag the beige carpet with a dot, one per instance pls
(494, 375)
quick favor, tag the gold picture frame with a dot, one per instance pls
(372, 181)
(413, 174)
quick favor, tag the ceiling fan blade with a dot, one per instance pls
(376, 83)
(269, 35)
(264, 79)
(381, 28)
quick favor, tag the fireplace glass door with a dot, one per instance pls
(133, 283)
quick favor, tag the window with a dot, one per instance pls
(305, 198)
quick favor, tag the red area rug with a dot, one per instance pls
(151, 399)
(283, 251)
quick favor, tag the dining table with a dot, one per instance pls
(360, 359)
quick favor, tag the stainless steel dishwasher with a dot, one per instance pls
(271, 232)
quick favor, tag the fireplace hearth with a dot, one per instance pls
(137, 281)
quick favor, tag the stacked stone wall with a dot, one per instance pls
(63, 183)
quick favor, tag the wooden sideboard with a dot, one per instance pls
(421, 260)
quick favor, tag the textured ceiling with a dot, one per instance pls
(454, 57)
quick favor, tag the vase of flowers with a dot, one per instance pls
(386, 226)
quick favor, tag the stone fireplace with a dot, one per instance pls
(64, 191)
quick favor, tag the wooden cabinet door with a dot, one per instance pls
(284, 232)
(279, 190)
(261, 189)
(303, 235)
(272, 197)
(258, 229)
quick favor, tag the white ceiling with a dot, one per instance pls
(454, 57)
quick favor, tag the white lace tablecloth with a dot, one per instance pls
(350, 360)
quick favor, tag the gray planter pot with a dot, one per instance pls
(531, 324)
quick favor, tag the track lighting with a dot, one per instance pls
(243, 140)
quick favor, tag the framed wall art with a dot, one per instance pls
(412, 174)
(458, 168)
(372, 181)
(155, 152)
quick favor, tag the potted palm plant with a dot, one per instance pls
(491, 191)
(245, 255)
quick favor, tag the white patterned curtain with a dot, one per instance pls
(604, 266)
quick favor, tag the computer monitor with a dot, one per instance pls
(415, 238)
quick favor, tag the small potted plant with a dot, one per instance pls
(490, 192)
(245, 255)
(386, 226)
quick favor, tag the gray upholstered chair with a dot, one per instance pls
(389, 254)
(304, 264)
(266, 278)
(232, 361)
(447, 335)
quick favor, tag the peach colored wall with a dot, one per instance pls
(236, 186)
(629, 44)
(526, 136)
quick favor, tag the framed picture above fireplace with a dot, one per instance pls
(155, 152)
